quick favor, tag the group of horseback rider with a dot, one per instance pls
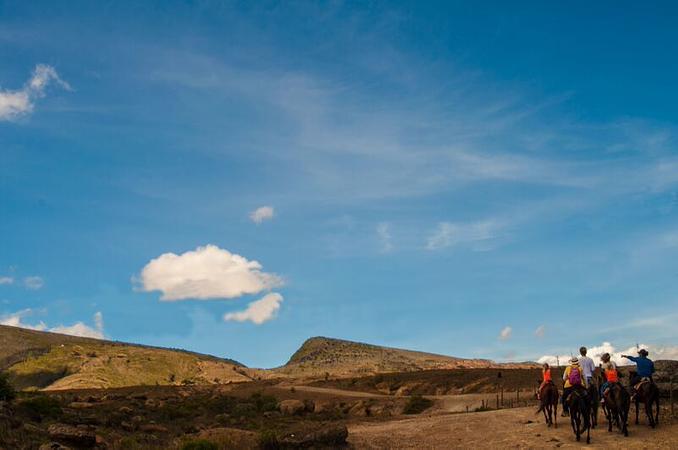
(579, 374)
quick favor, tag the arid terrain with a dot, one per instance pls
(85, 393)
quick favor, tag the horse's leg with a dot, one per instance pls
(656, 419)
(546, 416)
(649, 412)
(625, 419)
(608, 414)
(637, 404)
(555, 414)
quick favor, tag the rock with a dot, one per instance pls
(327, 436)
(152, 428)
(125, 410)
(291, 407)
(360, 409)
(53, 446)
(272, 414)
(80, 405)
(126, 426)
(72, 435)
(384, 388)
(379, 410)
(137, 420)
(322, 406)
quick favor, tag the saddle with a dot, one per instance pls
(643, 381)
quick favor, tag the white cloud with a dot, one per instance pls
(259, 311)
(540, 331)
(33, 283)
(207, 272)
(6, 280)
(505, 333)
(595, 352)
(261, 214)
(14, 104)
(450, 234)
(384, 234)
(77, 329)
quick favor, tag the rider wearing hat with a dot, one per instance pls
(610, 373)
(574, 379)
(644, 366)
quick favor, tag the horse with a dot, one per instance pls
(648, 393)
(549, 404)
(594, 398)
(616, 409)
(580, 413)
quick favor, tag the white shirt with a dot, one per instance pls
(587, 366)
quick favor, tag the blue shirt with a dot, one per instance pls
(645, 366)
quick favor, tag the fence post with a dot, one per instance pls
(497, 400)
(467, 408)
(517, 396)
(501, 391)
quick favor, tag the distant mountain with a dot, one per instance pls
(37, 359)
(336, 357)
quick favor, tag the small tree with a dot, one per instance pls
(7, 392)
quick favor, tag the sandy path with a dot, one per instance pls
(334, 392)
(499, 429)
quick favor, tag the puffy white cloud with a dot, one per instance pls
(384, 234)
(261, 214)
(540, 331)
(33, 283)
(505, 333)
(259, 311)
(207, 272)
(595, 352)
(17, 103)
(77, 329)
(450, 234)
(6, 280)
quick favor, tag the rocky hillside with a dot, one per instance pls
(36, 359)
(319, 356)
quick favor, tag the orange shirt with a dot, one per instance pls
(611, 376)
(546, 374)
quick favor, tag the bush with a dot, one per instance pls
(417, 404)
(264, 403)
(268, 440)
(7, 392)
(199, 444)
(41, 407)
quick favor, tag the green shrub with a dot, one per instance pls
(7, 392)
(199, 444)
(263, 402)
(268, 440)
(41, 407)
(417, 404)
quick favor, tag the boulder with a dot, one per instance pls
(292, 407)
(53, 446)
(322, 406)
(152, 428)
(80, 437)
(360, 409)
(80, 405)
(125, 410)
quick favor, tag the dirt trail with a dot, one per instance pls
(332, 391)
(499, 429)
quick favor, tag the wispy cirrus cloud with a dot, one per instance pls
(262, 214)
(477, 234)
(21, 102)
(506, 333)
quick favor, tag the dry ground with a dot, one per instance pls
(511, 428)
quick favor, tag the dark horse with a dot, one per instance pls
(616, 409)
(549, 404)
(648, 393)
(580, 413)
(594, 398)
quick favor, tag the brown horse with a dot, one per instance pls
(648, 394)
(594, 398)
(616, 409)
(579, 405)
(549, 404)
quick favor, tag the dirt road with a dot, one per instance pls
(510, 428)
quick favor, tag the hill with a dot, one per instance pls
(37, 359)
(319, 356)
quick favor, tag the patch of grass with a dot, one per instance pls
(7, 392)
(263, 402)
(417, 404)
(41, 407)
(199, 444)
(268, 440)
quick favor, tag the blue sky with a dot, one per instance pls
(446, 177)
